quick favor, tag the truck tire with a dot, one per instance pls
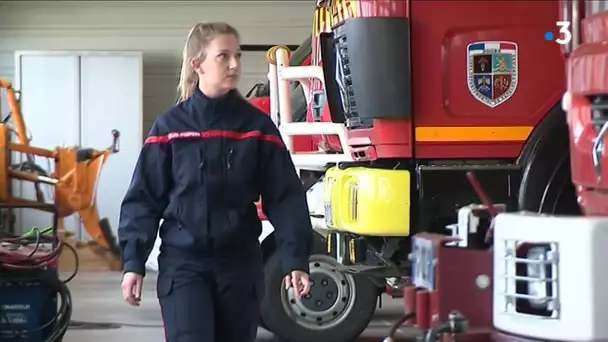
(546, 185)
(339, 309)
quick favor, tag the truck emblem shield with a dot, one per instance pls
(492, 71)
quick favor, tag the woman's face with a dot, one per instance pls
(221, 68)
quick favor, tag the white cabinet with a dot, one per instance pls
(76, 98)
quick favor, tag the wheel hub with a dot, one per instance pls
(330, 298)
(323, 292)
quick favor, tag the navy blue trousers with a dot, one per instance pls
(211, 299)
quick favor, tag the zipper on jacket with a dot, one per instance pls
(201, 166)
(223, 152)
(229, 163)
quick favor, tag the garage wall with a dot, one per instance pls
(157, 28)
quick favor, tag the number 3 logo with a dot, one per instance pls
(565, 34)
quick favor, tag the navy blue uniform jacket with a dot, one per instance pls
(202, 167)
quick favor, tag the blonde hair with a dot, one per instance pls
(197, 41)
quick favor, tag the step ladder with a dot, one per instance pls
(280, 76)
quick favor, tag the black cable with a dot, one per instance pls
(395, 327)
(76, 263)
(80, 325)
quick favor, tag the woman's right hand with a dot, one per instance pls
(132, 284)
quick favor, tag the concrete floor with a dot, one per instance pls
(97, 298)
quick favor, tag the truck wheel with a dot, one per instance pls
(338, 308)
(546, 184)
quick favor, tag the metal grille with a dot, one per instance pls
(424, 263)
(531, 281)
(599, 120)
(599, 112)
(344, 79)
(318, 105)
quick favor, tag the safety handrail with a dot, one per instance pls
(280, 75)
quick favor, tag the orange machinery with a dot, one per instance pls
(75, 175)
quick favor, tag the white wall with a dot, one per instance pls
(158, 28)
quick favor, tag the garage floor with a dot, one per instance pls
(97, 299)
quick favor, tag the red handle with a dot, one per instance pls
(481, 193)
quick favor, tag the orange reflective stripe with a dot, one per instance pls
(445, 134)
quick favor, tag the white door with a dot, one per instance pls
(51, 98)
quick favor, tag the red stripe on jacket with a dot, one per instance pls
(190, 135)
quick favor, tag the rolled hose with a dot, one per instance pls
(271, 55)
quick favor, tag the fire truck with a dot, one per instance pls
(428, 92)
(538, 276)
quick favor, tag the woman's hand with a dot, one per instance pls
(132, 284)
(299, 281)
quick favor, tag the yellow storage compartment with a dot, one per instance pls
(366, 201)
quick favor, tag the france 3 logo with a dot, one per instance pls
(565, 35)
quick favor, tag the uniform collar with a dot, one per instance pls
(200, 97)
(211, 107)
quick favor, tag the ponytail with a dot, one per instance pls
(188, 80)
(187, 76)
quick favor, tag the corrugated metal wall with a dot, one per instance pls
(158, 28)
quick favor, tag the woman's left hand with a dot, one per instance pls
(299, 281)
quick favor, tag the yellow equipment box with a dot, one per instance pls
(366, 201)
